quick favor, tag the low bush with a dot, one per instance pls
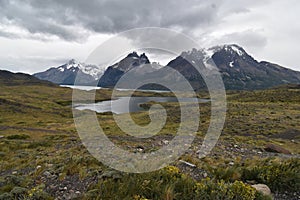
(18, 137)
(279, 176)
(169, 183)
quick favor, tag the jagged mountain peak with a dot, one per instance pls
(133, 54)
(204, 54)
(131, 60)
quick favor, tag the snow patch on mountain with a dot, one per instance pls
(61, 69)
(237, 50)
(92, 70)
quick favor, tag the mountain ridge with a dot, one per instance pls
(239, 70)
(66, 74)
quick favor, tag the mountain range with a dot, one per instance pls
(66, 74)
(239, 70)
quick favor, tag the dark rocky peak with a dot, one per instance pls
(133, 55)
(72, 62)
(144, 58)
(131, 60)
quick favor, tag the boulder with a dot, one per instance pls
(276, 149)
(262, 188)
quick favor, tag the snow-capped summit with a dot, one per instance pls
(66, 74)
(239, 70)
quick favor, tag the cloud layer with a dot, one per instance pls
(75, 19)
(261, 27)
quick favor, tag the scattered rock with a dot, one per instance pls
(165, 142)
(1, 136)
(276, 149)
(14, 173)
(140, 149)
(48, 165)
(231, 163)
(187, 163)
(251, 182)
(262, 188)
(38, 167)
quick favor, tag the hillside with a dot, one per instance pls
(14, 79)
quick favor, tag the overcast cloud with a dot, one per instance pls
(36, 34)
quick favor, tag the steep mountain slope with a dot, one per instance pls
(239, 70)
(131, 61)
(67, 73)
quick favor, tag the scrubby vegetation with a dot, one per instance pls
(42, 157)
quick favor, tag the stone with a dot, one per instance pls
(49, 165)
(262, 188)
(1, 136)
(276, 149)
(47, 174)
(231, 163)
(165, 142)
(38, 167)
(187, 163)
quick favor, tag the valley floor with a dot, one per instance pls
(42, 156)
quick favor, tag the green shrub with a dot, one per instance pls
(5, 196)
(19, 192)
(34, 145)
(18, 137)
(208, 189)
(279, 176)
(169, 183)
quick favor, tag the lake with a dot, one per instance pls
(120, 105)
(88, 88)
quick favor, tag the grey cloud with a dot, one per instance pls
(76, 19)
(250, 38)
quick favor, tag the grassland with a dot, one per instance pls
(42, 156)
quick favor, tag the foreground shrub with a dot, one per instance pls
(168, 184)
(18, 137)
(279, 176)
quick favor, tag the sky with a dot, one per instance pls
(36, 35)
